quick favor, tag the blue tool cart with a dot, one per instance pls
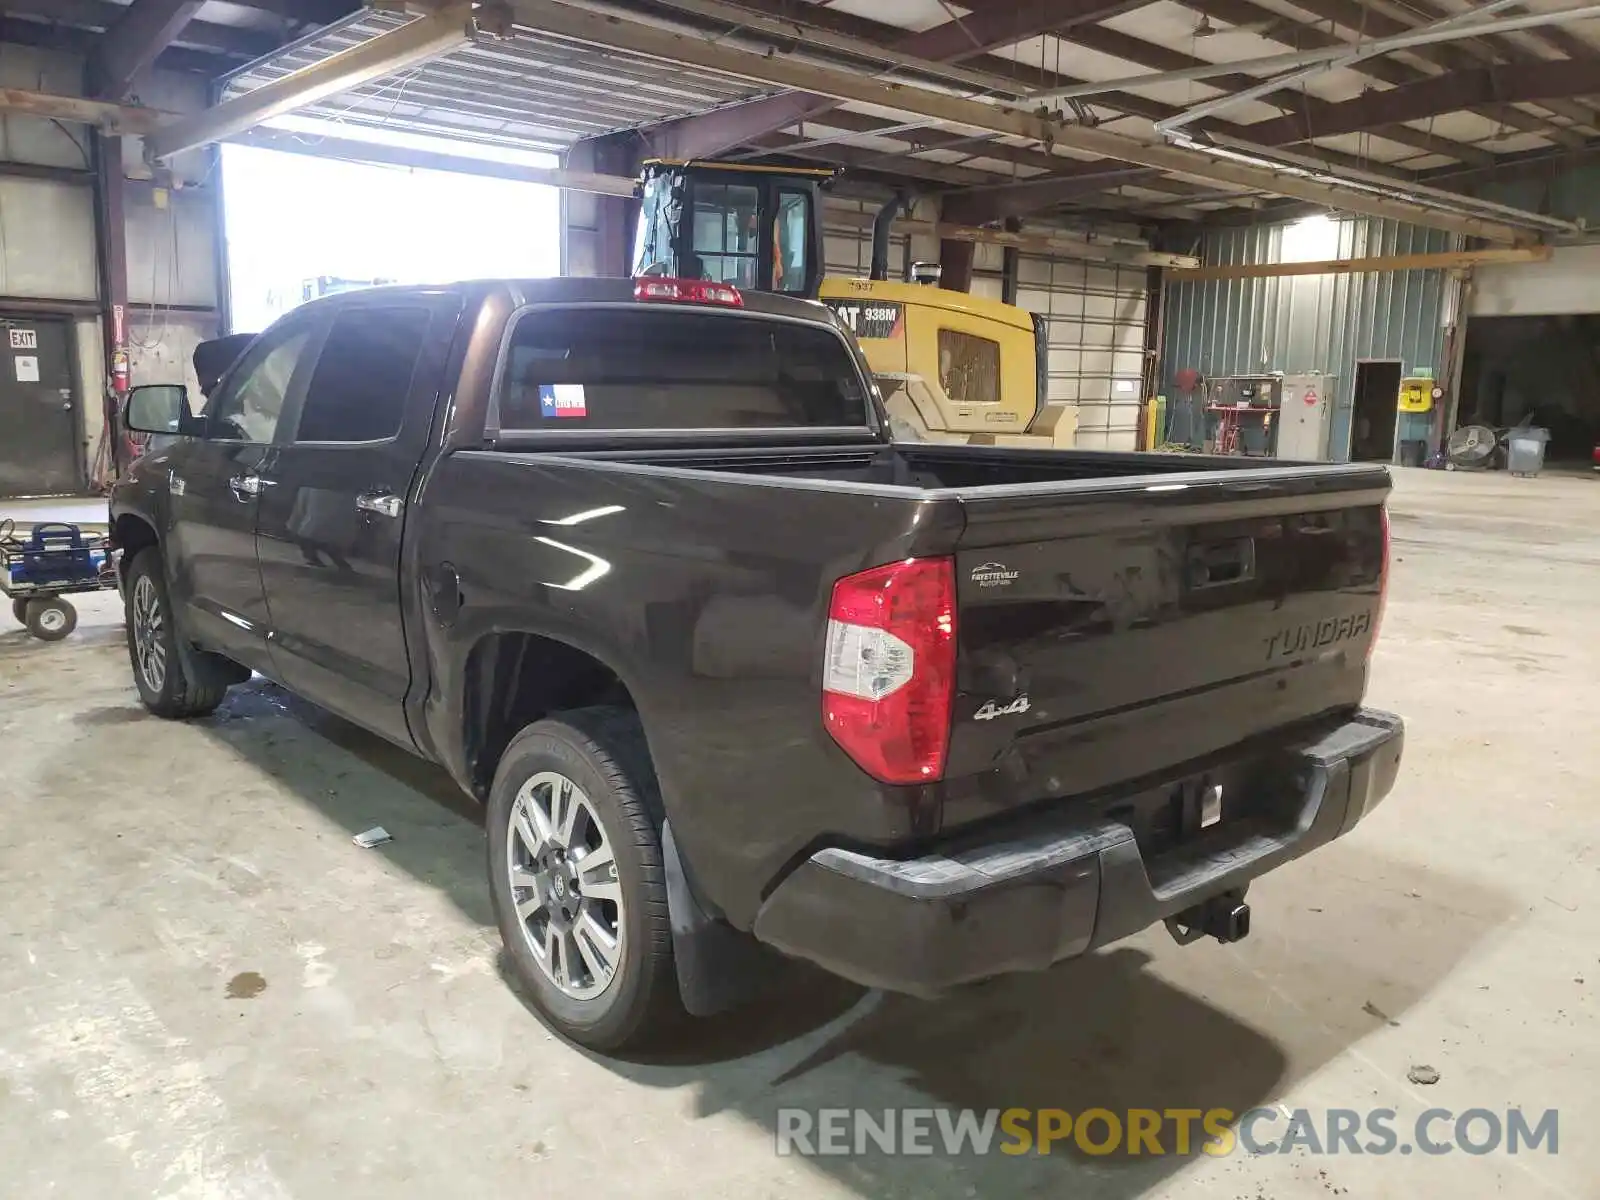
(40, 568)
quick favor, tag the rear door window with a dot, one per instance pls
(617, 367)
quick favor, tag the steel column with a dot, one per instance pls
(129, 46)
(111, 234)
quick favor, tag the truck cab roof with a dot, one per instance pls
(565, 290)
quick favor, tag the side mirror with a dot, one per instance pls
(159, 408)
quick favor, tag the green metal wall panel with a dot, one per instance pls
(1311, 323)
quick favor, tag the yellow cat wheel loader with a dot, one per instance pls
(952, 367)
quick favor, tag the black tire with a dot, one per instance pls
(603, 751)
(19, 610)
(50, 620)
(175, 694)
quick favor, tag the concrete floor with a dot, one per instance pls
(157, 875)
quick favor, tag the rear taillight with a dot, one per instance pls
(888, 675)
(686, 291)
(1383, 582)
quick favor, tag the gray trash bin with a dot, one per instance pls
(1525, 450)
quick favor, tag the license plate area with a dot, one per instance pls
(1178, 815)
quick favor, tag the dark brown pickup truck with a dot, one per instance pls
(735, 673)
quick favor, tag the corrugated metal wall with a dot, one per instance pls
(1312, 323)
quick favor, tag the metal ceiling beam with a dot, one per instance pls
(1147, 54)
(347, 150)
(1018, 77)
(709, 138)
(1377, 22)
(711, 134)
(1453, 260)
(1000, 24)
(71, 40)
(414, 42)
(307, 12)
(1510, 50)
(1509, 83)
(104, 115)
(708, 135)
(1046, 243)
(1390, 71)
(1543, 164)
(791, 30)
(1301, 58)
(103, 14)
(942, 174)
(129, 48)
(1398, 18)
(1019, 197)
(920, 138)
(956, 111)
(1093, 173)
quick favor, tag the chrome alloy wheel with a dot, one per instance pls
(148, 649)
(564, 885)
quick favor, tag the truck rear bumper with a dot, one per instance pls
(1058, 884)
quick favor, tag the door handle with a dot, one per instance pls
(248, 485)
(385, 504)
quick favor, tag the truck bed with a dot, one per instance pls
(1154, 611)
(927, 466)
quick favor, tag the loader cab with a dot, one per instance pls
(757, 228)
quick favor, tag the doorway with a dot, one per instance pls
(39, 452)
(1375, 411)
(1542, 369)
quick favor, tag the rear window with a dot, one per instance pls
(655, 368)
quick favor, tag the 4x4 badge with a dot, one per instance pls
(990, 710)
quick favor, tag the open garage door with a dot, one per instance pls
(1533, 350)
(530, 91)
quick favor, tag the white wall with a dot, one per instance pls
(1568, 283)
(35, 139)
(46, 239)
(172, 246)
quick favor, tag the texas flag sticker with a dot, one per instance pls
(562, 400)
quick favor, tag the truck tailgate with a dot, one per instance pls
(1124, 629)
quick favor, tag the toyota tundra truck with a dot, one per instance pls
(739, 678)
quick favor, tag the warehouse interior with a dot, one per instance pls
(1318, 231)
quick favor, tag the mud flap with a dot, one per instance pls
(719, 967)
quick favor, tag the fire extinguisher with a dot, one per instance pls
(119, 372)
